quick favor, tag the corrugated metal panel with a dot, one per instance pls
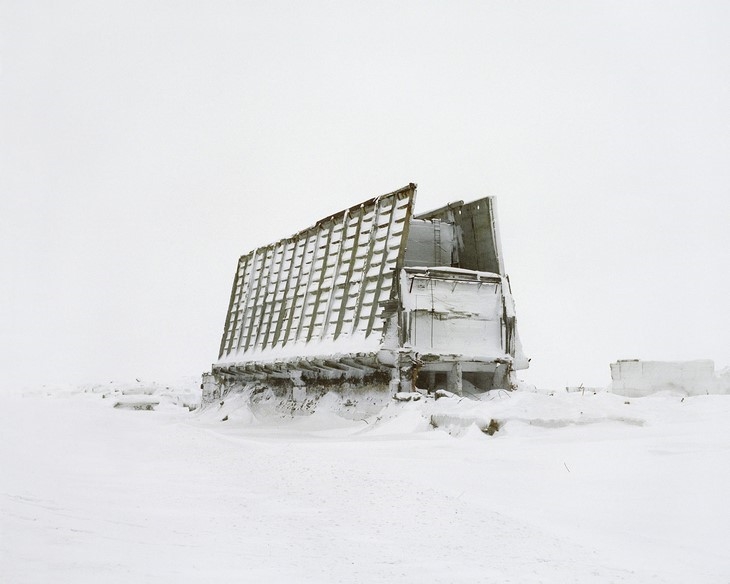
(325, 282)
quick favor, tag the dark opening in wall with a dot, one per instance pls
(432, 380)
(482, 381)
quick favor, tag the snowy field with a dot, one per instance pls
(573, 487)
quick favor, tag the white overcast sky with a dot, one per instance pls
(145, 145)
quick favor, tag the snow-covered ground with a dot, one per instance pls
(573, 487)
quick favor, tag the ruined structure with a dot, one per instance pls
(374, 296)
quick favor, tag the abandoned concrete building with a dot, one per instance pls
(375, 296)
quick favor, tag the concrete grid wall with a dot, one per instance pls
(325, 282)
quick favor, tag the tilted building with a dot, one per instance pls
(375, 296)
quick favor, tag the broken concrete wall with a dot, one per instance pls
(452, 314)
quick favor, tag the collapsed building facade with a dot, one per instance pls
(375, 296)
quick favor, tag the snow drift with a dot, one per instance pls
(569, 487)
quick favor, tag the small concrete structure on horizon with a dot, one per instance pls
(636, 378)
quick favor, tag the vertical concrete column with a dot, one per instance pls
(455, 379)
(406, 378)
(407, 368)
(501, 377)
(395, 378)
